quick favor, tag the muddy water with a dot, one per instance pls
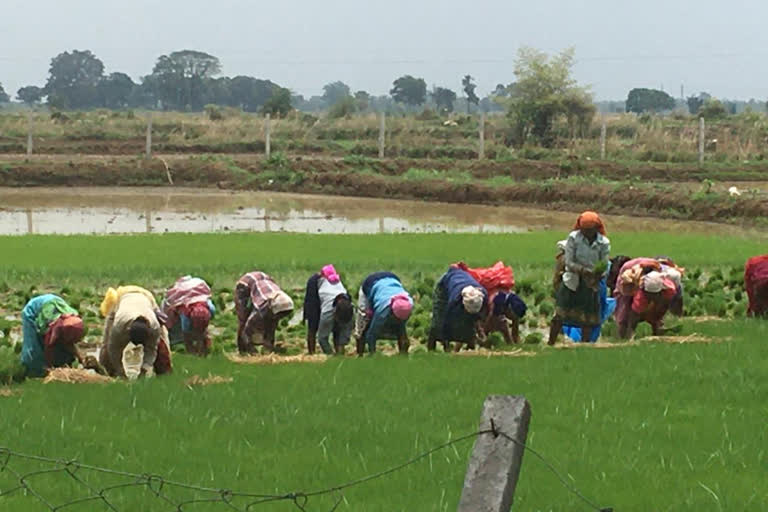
(164, 210)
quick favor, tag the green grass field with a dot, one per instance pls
(649, 427)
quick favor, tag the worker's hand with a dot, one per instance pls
(90, 363)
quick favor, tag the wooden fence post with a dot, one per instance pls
(603, 133)
(382, 133)
(267, 136)
(481, 151)
(30, 126)
(494, 467)
(148, 149)
(701, 140)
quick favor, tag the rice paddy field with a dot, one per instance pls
(656, 424)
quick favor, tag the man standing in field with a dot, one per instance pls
(133, 317)
(260, 305)
(327, 309)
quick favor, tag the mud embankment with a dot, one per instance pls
(629, 194)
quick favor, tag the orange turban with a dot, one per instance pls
(589, 220)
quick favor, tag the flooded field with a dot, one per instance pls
(163, 210)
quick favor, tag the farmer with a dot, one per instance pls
(585, 257)
(383, 310)
(504, 315)
(189, 309)
(260, 305)
(505, 307)
(649, 304)
(50, 328)
(327, 309)
(675, 273)
(132, 316)
(459, 307)
(756, 284)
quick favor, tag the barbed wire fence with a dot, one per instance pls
(27, 483)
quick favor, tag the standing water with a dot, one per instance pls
(165, 210)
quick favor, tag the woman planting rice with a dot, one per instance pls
(260, 305)
(505, 308)
(756, 284)
(459, 305)
(586, 261)
(648, 303)
(189, 309)
(50, 328)
(327, 309)
(133, 317)
(383, 310)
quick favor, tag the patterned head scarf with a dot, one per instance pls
(67, 329)
(280, 302)
(589, 220)
(199, 315)
(472, 298)
(653, 282)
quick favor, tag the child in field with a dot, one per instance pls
(383, 310)
(327, 310)
(189, 309)
(260, 305)
(51, 328)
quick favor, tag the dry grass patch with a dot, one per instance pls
(197, 380)
(75, 376)
(276, 359)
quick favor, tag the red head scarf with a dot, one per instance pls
(199, 315)
(589, 220)
(67, 329)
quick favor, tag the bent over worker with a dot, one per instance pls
(133, 317)
(260, 305)
(327, 310)
(189, 309)
(459, 306)
(383, 310)
(50, 328)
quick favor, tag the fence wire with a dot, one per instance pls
(178, 496)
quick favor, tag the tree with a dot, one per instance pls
(31, 94)
(694, 104)
(642, 100)
(713, 109)
(469, 91)
(249, 93)
(409, 90)
(116, 90)
(279, 103)
(444, 99)
(362, 100)
(73, 79)
(335, 92)
(345, 107)
(4, 98)
(539, 95)
(579, 111)
(179, 80)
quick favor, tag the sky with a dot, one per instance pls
(706, 45)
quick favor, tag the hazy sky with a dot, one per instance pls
(719, 47)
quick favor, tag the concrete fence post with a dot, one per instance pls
(481, 132)
(702, 130)
(382, 133)
(148, 149)
(30, 129)
(603, 134)
(267, 136)
(489, 485)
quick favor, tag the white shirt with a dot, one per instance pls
(328, 293)
(581, 254)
